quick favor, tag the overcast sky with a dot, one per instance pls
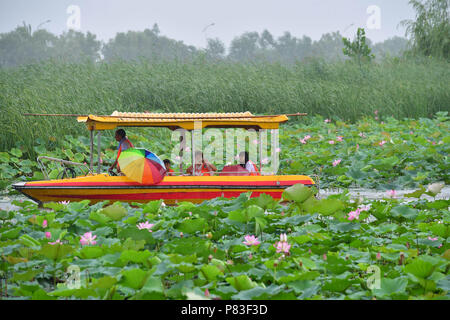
(186, 19)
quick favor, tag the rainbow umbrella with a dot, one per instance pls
(142, 166)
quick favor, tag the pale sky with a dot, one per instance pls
(185, 20)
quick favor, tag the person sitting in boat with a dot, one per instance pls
(202, 167)
(167, 164)
(247, 164)
(124, 144)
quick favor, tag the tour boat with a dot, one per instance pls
(173, 188)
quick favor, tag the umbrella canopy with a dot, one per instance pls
(142, 166)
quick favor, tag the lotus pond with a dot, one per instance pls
(242, 248)
(375, 152)
(333, 247)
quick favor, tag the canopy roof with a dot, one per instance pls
(188, 121)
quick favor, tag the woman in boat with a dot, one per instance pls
(202, 167)
(167, 164)
(124, 144)
(247, 164)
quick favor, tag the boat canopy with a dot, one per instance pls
(187, 121)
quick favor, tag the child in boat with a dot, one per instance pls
(247, 164)
(167, 164)
(202, 167)
(124, 144)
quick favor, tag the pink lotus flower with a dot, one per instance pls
(327, 121)
(48, 235)
(331, 142)
(56, 242)
(206, 292)
(382, 143)
(376, 112)
(277, 150)
(87, 239)
(357, 146)
(440, 246)
(340, 139)
(324, 256)
(283, 237)
(362, 135)
(303, 141)
(282, 246)
(251, 241)
(378, 256)
(44, 224)
(433, 239)
(352, 215)
(336, 162)
(391, 193)
(145, 225)
(250, 256)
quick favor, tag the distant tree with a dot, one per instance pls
(266, 40)
(23, 46)
(430, 31)
(215, 49)
(245, 47)
(155, 29)
(77, 46)
(329, 47)
(291, 49)
(134, 45)
(359, 48)
(393, 47)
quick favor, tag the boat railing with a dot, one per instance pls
(66, 170)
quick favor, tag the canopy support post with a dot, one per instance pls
(182, 147)
(99, 151)
(91, 164)
(193, 153)
(260, 149)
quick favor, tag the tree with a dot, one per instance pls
(329, 47)
(149, 45)
(23, 46)
(393, 47)
(430, 31)
(215, 49)
(245, 47)
(358, 49)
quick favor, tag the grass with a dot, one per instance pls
(400, 88)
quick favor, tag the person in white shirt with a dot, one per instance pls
(247, 164)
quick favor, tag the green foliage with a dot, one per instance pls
(329, 257)
(430, 31)
(358, 49)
